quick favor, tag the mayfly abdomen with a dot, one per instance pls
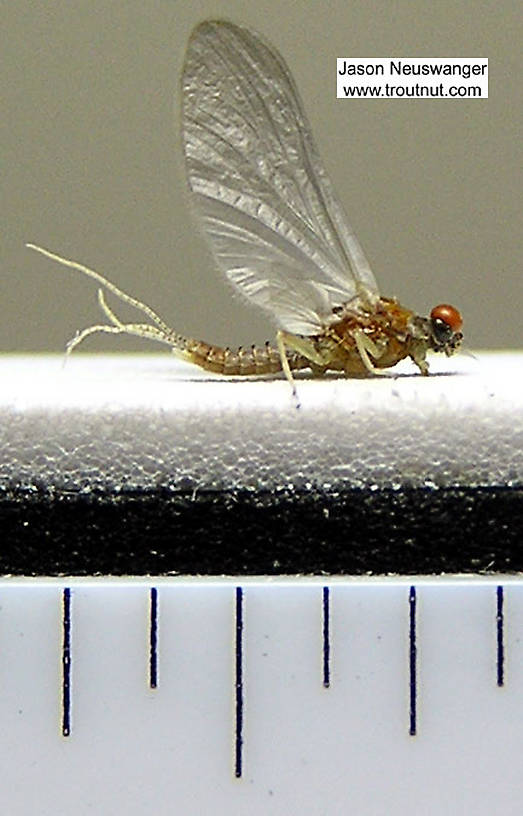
(255, 361)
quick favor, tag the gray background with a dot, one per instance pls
(92, 165)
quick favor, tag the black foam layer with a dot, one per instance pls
(355, 532)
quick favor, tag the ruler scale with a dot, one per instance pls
(66, 664)
(412, 662)
(500, 639)
(239, 713)
(153, 640)
(326, 637)
(275, 697)
(238, 685)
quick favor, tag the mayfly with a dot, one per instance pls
(276, 228)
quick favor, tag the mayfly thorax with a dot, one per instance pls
(275, 228)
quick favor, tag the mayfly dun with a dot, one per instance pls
(275, 228)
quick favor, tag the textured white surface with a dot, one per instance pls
(113, 422)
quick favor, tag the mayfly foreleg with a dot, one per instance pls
(418, 357)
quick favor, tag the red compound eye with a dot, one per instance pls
(449, 315)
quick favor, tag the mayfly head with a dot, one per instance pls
(445, 324)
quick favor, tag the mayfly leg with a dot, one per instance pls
(366, 346)
(280, 342)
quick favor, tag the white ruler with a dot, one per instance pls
(289, 696)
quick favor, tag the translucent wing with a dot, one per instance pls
(266, 203)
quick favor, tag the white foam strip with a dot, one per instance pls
(146, 421)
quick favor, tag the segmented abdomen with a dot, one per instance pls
(255, 360)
